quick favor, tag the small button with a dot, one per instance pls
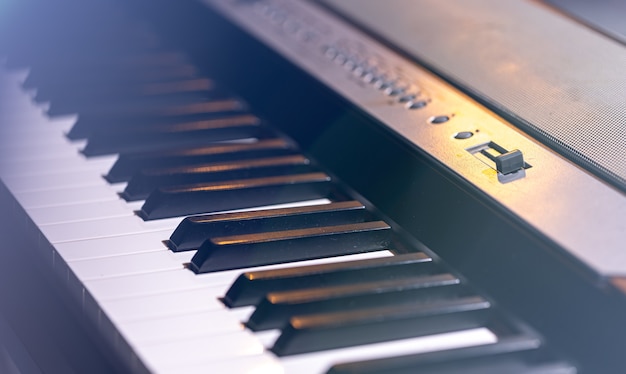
(359, 71)
(349, 64)
(406, 98)
(394, 90)
(382, 83)
(436, 120)
(330, 52)
(416, 104)
(370, 77)
(340, 58)
(463, 135)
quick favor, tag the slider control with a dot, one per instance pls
(510, 162)
(509, 165)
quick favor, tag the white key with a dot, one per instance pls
(29, 153)
(30, 183)
(255, 364)
(34, 163)
(180, 327)
(138, 263)
(57, 161)
(26, 140)
(40, 126)
(80, 212)
(145, 284)
(107, 227)
(194, 350)
(113, 246)
(68, 196)
(162, 305)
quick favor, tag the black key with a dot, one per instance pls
(177, 86)
(251, 287)
(523, 362)
(123, 90)
(455, 359)
(124, 98)
(193, 231)
(275, 310)
(137, 112)
(128, 165)
(43, 77)
(236, 194)
(178, 135)
(84, 72)
(138, 119)
(113, 104)
(242, 251)
(143, 183)
(344, 329)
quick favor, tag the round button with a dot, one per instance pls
(416, 104)
(382, 83)
(463, 135)
(330, 52)
(349, 64)
(436, 120)
(359, 71)
(340, 58)
(370, 77)
(406, 98)
(394, 90)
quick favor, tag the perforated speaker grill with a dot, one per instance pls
(558, 80)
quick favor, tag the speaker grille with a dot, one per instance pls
(558, 80)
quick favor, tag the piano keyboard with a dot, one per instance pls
(213, 244)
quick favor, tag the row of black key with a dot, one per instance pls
(350, 303)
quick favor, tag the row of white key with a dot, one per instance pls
(170, 316)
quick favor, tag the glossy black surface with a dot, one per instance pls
(277, 308)
(514, 354)
(130, 164)
(194, 230)
(236, 252)
(251, 287)
(182, 134)
(142, 184)
(342, 329)
(234, 194)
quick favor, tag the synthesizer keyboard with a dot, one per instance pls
(197, 235)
